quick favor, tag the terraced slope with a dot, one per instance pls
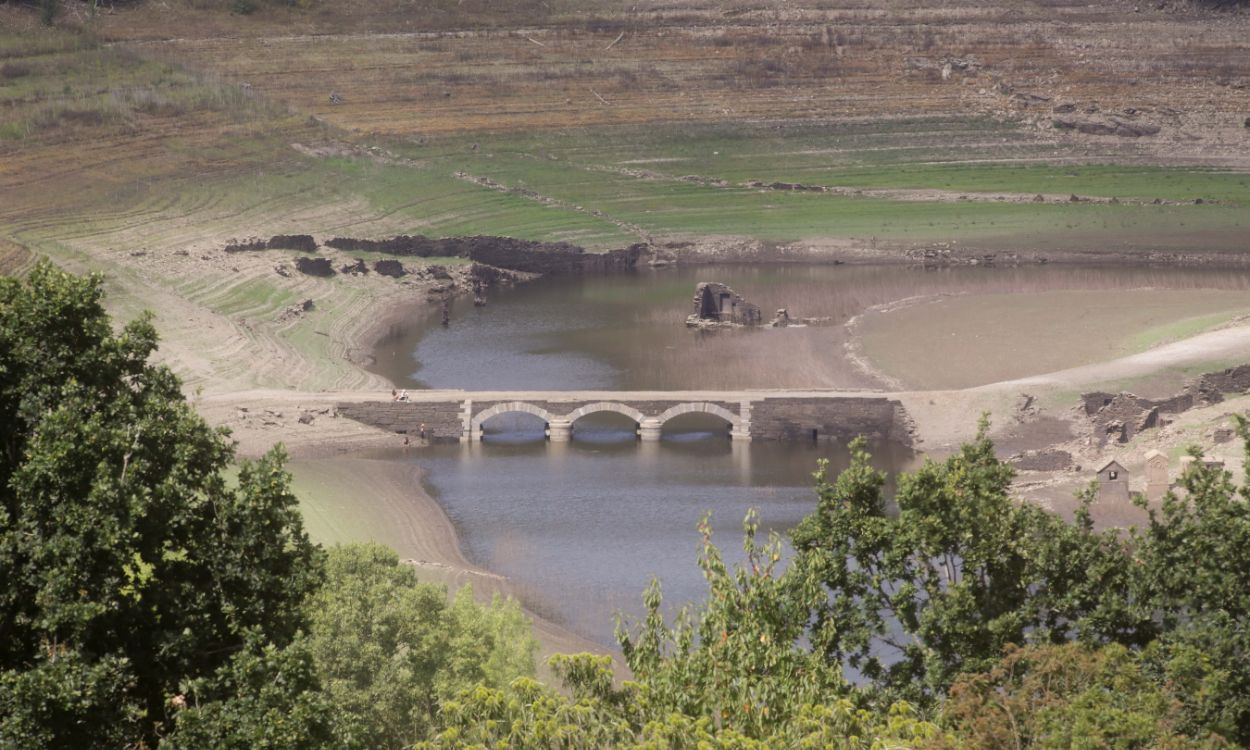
(141, 141)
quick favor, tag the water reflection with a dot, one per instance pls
(582, 526)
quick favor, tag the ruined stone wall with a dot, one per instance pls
(547, 258)
(842, 419)
(443, 420)
(1213, 385)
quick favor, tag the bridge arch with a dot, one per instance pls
(703, 407)
(602, 406)
(506, 408)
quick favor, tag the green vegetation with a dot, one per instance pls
(1180, 329)
(155, 602)
(132, 572)
(149, 598)
(390, 651)
(64, 79)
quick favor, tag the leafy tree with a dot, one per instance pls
(529, 716)
(130, 566)
(1069, 696)
(1193, 562)
(916, 597)
(264, 698)
(741, 666)
(389, 649)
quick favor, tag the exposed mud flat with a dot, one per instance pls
(970, 340)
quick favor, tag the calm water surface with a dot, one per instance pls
(582, 527)
(627, 331)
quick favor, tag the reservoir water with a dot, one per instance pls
(626, 331)
(581, 528)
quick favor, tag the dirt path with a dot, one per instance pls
(1213, 347)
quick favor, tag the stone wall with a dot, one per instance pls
(841, 418)
(443, 420)
(547, 258)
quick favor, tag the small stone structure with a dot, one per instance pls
(1113, 483)
(1189, 462)
(716, 305)
(1157, 482)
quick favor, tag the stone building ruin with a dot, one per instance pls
(715, 304)
(1113, 483)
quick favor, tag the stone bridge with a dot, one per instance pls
(748, 415)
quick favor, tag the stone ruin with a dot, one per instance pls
(1113, 478)
(717, 305)
(1118, 417)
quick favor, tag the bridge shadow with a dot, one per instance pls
(605, 428)
(514, 427)
(695, 426)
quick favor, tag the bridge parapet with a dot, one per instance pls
(458, 416)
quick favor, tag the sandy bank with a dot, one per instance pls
(352, 499)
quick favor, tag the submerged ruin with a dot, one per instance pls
(716, 305)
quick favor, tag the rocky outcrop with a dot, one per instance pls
(1110, 126)
(359, 268)
(392, 268)
(547, 258)
(302, 242)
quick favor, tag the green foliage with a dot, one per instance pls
(265, 698)
(389, 649)
(1068, 696)
(130, 566)
(961, 571)
(1193, 562)
(740, 666)
(67, 700)
(528, 716)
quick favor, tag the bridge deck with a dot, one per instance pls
(756, 414)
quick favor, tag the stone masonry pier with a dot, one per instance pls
(748, 415)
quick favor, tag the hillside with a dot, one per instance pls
(141, 140)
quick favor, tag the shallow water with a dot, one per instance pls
(627, 331)
(581, 527)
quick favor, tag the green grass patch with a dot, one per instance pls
(1180, 329)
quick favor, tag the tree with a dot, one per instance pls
(1193, 564)
(389, 650)
(960, 571)
(1069, 696)
(264, 698)
(130, 566)
(740, 666)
